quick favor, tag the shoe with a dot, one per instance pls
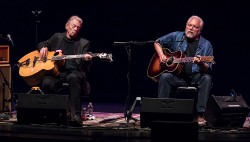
(76, 121)
(201, 121)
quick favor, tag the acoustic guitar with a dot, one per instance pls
(32, 68)
(175, 62)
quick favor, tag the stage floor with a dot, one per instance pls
(110, 125)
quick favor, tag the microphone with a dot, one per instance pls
(132, 43)
(10, 39)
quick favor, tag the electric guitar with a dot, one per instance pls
(173, 64)
(32, 68)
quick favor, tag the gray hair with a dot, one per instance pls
(199, 18)
(75, 17)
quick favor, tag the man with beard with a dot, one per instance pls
(193, 73)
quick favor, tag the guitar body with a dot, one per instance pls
(33, 69)
(156, 67)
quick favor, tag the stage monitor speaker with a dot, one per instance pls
(5, 92)
(226, 111)
(165, 109)
(174, 130)
(42, 108)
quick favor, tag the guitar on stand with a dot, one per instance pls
(175, 62)
(32, 68)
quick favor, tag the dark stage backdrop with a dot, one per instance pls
(226, 26)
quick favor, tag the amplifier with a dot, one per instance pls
(4, 54)
(226, 111)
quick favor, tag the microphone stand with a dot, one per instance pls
(128, 111)
(36, 13)
(127, 114)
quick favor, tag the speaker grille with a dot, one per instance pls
(165, 109)
(226, 111)
(42, 109)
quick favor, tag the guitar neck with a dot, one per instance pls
(190, 59)
(100, 55)
(183, 60)
(95, 54)
(80, 56)
(63, 57)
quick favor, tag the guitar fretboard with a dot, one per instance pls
(63, 57)
(190, 59)
(100, 55)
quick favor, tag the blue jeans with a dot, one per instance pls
(203, 82)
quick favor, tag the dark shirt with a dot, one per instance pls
(68, 48)
(190, 52)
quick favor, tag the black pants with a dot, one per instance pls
(202, 81)
(75, 79)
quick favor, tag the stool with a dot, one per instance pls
(186, 92)
(64, 90)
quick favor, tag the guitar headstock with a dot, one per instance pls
(105, 56)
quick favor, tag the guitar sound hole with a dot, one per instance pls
(170, 61)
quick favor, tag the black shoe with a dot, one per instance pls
(76, 121)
